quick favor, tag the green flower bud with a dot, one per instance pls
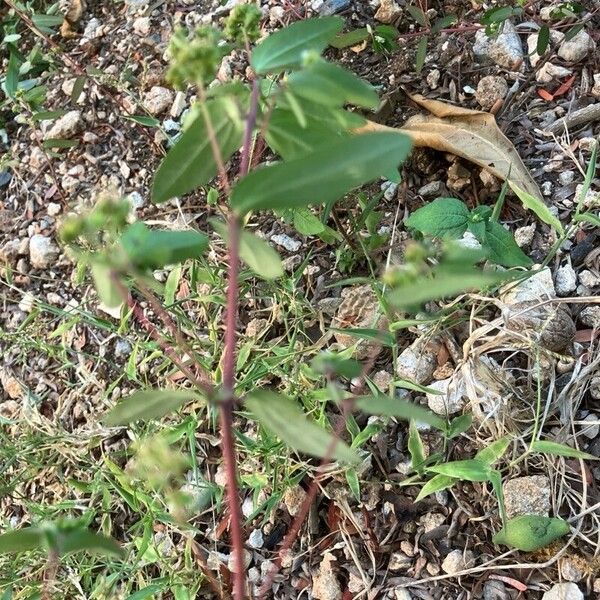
(243, 24)
(531, 532)
(195, 59)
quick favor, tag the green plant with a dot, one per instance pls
(296, 103)
(450, 218)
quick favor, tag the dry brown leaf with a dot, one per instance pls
(470, 134)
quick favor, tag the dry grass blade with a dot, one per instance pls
(470, 134)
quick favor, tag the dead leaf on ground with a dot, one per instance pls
(470, 134)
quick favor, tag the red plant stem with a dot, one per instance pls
(226, 407)
(226, 412)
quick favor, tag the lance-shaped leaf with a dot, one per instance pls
(190, 162)
(285, 48)
(20, 540)
(154, 248)
(146, 405)
(283, 417)
(324, 175)
(470, 134)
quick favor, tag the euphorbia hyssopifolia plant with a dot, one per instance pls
(295, 103)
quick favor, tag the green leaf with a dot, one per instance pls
(443, 22)
(285, 48)
(147, 405)
(587, 182)
(329, 363)
(306, 222)
(290, 139)
(48, 115)
(494, 452)
(172, 284)
(556, 449)
(107, 291)
(262, 258)
(88, 541)
(59, 143)
(587, 217)
(445, 283)
(436, 484)
(11, 83)
(385, 338)
(384, 405)
(416, 448)
(353, 483)
(538, 207)
(46, 21)
(323, 176)
(468, 470)
(78, 88)
(499, 14)
(573, 31)
(20, 540)
(503, 249)
(190, 162)
(418, 15)
(350, 38)
(329, 84)
(154, 248)
(543, 40)
(444, 217)
(421, 53)
(459, 425)
(144, 120)
(531, 532)
(283, 417)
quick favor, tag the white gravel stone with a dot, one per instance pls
(66, 127)
(490, 89)
(577, 48)
(589, 279)
(157, 100)
(142, 26)
(596, 88)
(564, 591)
(417, 362)
(524, 235)
(290, 244)
(256, 539)
(566, 177)
(92, 30)
(451, 400)
(53, 208)
(178, 105)
(388, 11)
(505, 50)
(27, 302)
(293, 498)
(325, 585)
(590, 316)
(456, 562)
(549, 72)
(565, 280)
(42, 251)
(537, 287)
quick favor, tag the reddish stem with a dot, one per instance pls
(226, 408)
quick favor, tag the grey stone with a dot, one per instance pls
(122, 349)
(158, 99)
(331, 7)
(576, 48)
(451, 400)
(417, 362)
(290, 244)
(457, 561)
(433, 189)
(527, 496)
(490, 89)
(66, 127)
(590, 316)
(565, 280)
(505, 50)
(524, 235)
(495, 590)
(564, 591)
(570, 570)
(41, 251)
